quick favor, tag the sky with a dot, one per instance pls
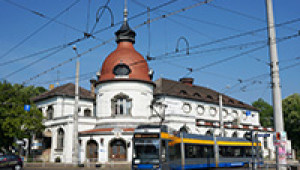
(226, 41)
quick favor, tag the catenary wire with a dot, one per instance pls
(105, 42)
(38, 30)
(44, 16)
(233, 36)
(98, 19)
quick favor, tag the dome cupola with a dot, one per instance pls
(125, 63)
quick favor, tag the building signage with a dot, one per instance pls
(146, 135)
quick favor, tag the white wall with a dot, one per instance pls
(140, 93)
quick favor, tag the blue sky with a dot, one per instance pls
(203, 24)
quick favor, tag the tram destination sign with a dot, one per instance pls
(146, 135)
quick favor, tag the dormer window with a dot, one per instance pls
(209, 97)
(121, 70)
(197, 95)
(121, 105)
(183, 92)
(87, 113)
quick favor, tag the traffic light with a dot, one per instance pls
(248, 136)
(278, 136)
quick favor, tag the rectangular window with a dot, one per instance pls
(265, 142)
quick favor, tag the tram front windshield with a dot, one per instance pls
(146, 149)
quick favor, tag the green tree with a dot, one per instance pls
(266, 112)
(15, 122)
(291, 112)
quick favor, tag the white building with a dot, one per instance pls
(125, 96)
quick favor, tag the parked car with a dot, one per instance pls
(10, 161)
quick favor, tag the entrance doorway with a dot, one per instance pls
(118, 150)
(92, 151)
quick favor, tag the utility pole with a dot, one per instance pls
(75, 116)
(222, 130)
(182, 151)
(276, 91)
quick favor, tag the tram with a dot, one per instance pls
(155, 147)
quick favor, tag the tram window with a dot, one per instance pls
(248, 151)
(236, 152)
(171, 152)
(163, 151)
(191, 151)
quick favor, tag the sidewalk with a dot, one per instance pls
(58, 166)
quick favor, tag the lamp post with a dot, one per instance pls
(222, 130)
(75, 116)
(276, 89)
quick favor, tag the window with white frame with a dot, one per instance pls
(265, 142)
(60, 138)
(87, 113)
(121, 105)
(50, 111)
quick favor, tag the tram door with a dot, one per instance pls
(118, 150)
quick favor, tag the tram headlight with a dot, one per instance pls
(155, 161)
(137, 161)
(156, 167)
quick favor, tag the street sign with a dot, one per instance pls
(263, 135)
(27, 107)
(248, 113)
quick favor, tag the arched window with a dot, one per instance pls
(234, 135)
(50, 111)
(209, 133)
(92, 150)
(60, 138)
(184, 129)
(121, 105)
(87, 113)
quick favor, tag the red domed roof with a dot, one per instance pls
(125, 55)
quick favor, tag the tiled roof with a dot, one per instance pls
(65, 90)
(198, 93)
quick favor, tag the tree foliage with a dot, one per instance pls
(291, 114)
(15, 122)
(266, 112)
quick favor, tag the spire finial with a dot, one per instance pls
(125, 33)
(125, 11)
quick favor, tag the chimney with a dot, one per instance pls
(187, 80)
(51, 86)
(93, 82)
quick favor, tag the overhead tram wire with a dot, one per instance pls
(88, 16)
(67, 78)
(33, 63)
(98, 18)
(235, 46)
(107, 41)
(244, 14)
(194, 19)
(244, 53)
(44, 16)
(260, 76)
(84, 38)
(230, 37)
(39, 29)
(137, 15)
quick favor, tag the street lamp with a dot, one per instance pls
(75, 116)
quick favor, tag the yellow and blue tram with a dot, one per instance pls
(155, 148)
